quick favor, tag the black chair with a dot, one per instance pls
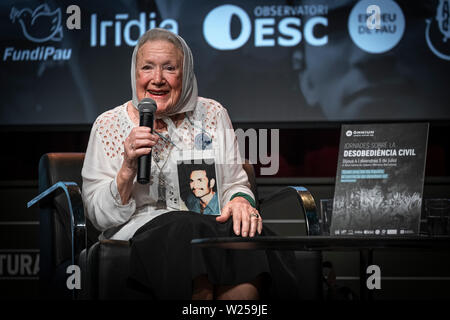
(67, 238)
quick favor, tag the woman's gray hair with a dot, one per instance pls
(188, 98)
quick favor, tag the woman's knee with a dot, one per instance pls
(243, 291)
(202, 288)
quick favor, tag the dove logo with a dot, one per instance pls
(40, 25)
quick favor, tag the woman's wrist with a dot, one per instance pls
(127, 173)
(125, 179)
(245, 196)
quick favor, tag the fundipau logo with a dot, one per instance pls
(437, 31)
(39, 25)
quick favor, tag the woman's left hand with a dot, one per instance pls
(246, 219)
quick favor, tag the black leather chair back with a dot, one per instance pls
(54, 217)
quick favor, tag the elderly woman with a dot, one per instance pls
(151, 216)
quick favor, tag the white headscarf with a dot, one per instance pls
(188, 97)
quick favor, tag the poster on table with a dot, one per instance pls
(379, 179)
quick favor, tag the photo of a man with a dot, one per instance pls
(198, 187)
(344, 82)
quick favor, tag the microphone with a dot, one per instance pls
(147, 108)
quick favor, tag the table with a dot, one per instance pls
(364, 244)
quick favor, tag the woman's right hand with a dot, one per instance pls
(139, 142)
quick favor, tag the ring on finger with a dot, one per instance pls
(132, 146)
(254, 214)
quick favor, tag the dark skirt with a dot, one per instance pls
(163, 263)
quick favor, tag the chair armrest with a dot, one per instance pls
(76, 209)
(309, 210)
(294, 199)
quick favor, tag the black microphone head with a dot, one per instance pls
(147, 105)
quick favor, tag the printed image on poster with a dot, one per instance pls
(199, 186)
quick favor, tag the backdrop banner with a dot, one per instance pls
(265, 61)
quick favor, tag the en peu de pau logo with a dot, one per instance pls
(380, 30)
(40, 25)
(437, 31)
(384, 34)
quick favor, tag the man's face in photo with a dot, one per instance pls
(200, 184)
(348, 83)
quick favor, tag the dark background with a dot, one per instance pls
(50, 106)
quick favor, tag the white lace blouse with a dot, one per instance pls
(104, 157)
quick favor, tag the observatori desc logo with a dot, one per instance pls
(270, 25)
